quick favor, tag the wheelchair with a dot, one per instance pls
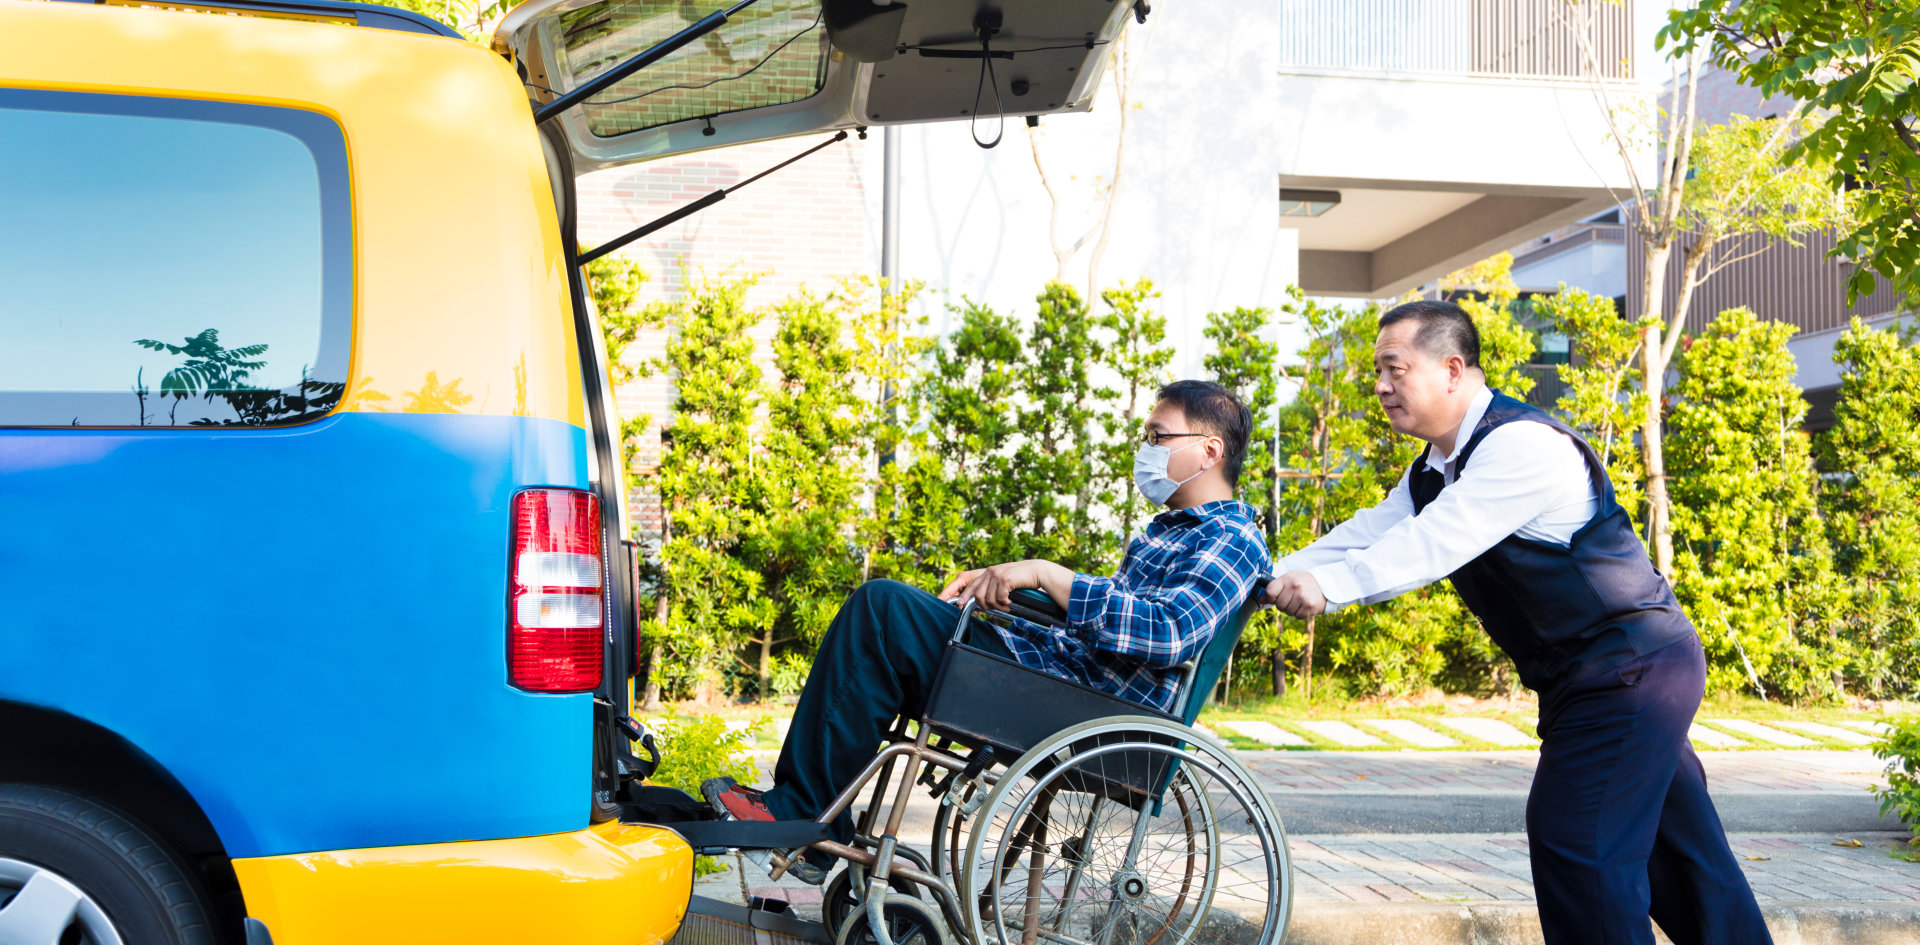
(1064, 815)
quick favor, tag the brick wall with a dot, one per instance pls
(805, 225)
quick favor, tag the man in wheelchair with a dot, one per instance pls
(1180, 580)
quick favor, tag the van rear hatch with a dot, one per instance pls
(779, 68)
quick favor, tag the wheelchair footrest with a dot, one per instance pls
(705, 835)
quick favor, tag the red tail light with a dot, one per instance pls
(554, 610)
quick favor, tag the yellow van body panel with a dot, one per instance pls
(460, 287)
(612, 883)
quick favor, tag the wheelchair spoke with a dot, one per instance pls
(1128, 838)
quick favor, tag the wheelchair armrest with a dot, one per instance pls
(1036, 606)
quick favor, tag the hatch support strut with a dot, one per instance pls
(703, 203)
(659, 51)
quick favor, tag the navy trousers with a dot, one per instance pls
(876, 663)
(1619, 822)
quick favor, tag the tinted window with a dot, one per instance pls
(169, 262)
(771, 53)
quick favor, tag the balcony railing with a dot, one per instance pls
(1511, 38)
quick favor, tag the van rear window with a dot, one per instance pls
(170, 262)
(771, 53)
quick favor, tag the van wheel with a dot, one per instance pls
(73, 872)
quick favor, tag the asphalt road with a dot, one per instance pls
(1308, 812)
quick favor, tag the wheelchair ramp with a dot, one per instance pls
(716, 922)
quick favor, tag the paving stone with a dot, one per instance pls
(1341, 733)
(1264, 732)
(1829, 731)
(1411, 731)
(781, 727)
(1876, 728)
(1491, 730)
(1712, 739)
(1763, 733)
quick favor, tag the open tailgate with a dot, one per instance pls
(780, 68)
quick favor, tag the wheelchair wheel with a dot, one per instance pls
(909, 922)
(1127, 831)
(847, 890)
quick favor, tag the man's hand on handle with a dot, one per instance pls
(1296, 593)
(993, 587)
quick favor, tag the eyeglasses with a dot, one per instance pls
(1153, 439)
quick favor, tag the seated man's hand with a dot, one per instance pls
(1296, 593)
(993, 587)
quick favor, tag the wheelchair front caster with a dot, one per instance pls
(909, 922)
(846, 893)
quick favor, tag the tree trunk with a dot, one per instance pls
(1653, 377)
(1306, 661)
(1279, 674)
(763, 673)
(651, 700)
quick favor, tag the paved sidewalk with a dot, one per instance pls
(1469, 887)
(1494, 868)
(1511, 772)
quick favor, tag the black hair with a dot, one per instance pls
(1216, 410)
(1445, 329)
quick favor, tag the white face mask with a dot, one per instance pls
(1150, 472)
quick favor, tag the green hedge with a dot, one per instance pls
(863, 448)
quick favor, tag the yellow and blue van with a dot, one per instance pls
(316, 603)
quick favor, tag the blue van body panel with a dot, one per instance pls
(306, 626)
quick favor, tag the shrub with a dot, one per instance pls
(1901, 751)
(695, 748)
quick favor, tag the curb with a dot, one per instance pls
(1422, 923)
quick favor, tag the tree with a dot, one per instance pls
(1136, 354)
(1486, 291)
(805, 485)
(472, 18)
(1752, 567)
(1602, 401)
(706, 455)
(209, 369)
(1053, 463)
(1245, 360)
(1123, 67)
(1656, 211)
(1742, 196)
(1857, 64)
(615, 283)
(1872, 502)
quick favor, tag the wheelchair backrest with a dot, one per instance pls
(1213, 659)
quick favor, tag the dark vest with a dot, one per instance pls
(1562, 613)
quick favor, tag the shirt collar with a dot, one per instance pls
(1476, 410)
(1232, 508)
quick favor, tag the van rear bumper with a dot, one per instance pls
(611, 883)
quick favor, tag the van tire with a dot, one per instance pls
(147, 890)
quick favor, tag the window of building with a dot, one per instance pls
(170, 262)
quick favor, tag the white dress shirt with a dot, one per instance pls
(1526, 479)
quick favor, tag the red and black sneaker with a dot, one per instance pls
(733, 802)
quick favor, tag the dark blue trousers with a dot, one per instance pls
(1619, 822)
(876, 663)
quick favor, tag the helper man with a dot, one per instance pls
(1192, 568)
(1517, 510)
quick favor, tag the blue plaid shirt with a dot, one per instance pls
(1181, 579)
